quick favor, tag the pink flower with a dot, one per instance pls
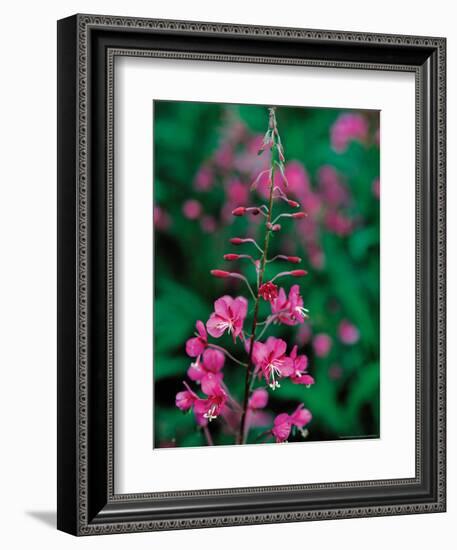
(322, 344)
(212, 361)
(186, 399)
(161, 218)
(195, 346)
(338, 223)
(268, 291)
(348, 333)
(237, 192)
(208, 224)
(210, 407)
(224, 156)
(332, 188)
(203, 179)
(335, 372)
(289, 310)
(297, 178)
(258, 399)
(229, 315)
(192, 209)
(283, 423)
(281, 427)
(348, 127)
(270, 359)
(300, 417)
(303, 335)
(300, 365)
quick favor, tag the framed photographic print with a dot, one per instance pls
(251, 274)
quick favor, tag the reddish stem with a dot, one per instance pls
(249, 371)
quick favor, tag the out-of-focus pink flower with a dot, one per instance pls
(258, 399)
(316, 255)
(229, 315)
(204, 178)
(376, 188)
(348, 333)
(338, 223)
(303, 335)
(212, 361)
(237, 192)
(299, 365)
(289, 310)
(192, 209)
(331, 187)
(196, 346)
(335, 372)
(268, 291)
(281, 427)
(348, 127)
(161, 219)
(224, 156)
(297, 178)
(271, 361)
(208, 224)
(322, 344)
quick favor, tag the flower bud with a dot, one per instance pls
(276, 227)
(240, 211)
(294, 259)
(219, 273)
(298, 273)
(237, 240)
(292, 203)
(231, 257)
(299, 215)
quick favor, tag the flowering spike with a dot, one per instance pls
(269, 358)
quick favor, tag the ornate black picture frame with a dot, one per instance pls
(87, 46)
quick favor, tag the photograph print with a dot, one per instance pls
(266, 274)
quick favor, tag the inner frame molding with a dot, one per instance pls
(88, 45)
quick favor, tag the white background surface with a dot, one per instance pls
(391, 456)
(28, 281)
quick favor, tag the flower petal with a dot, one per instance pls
(222, 306)
(213, 326)
(213, 360)
(201, 330)
(194, 347)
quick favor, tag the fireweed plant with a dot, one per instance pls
(266, 360)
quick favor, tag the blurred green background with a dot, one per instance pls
(205, 158)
